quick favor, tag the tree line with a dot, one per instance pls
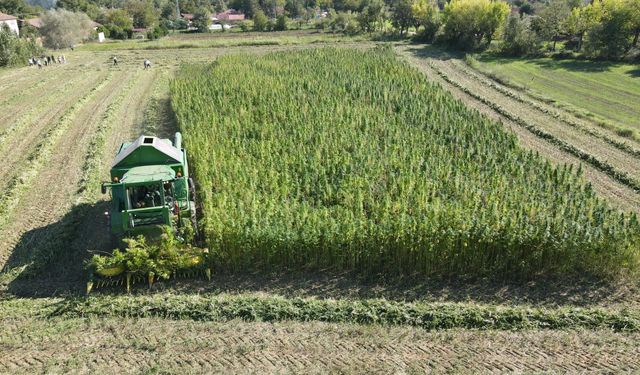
(607, 29)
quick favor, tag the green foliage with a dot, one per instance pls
(372, 15)
(159, 258)
(19, 8)
(402, 15)
(246, 25)
(15, 50)
(281, 23)
(225, 307)
(80, 6)
(158, 31)
(143, 12)
(345, 22)
(202, 20)
(427, 15)
(62, 28)
(468, 22)
(352, 159)
(551, 22)
(612, 37)
(260, 21)
(519, 39)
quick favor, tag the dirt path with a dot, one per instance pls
(618, 194)
(149, 345)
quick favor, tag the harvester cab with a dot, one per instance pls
(150, 187)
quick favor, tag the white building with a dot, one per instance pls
(10, 21)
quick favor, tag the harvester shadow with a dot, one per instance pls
(50, 260)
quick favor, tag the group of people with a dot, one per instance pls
(46, 60)
(147, 63)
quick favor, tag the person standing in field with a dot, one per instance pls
(115, 61)
(39, 64)
(147, 64)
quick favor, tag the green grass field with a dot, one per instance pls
(608, 92)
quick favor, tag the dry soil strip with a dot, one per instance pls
(145, 345)
(618, 194)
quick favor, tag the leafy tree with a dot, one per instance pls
(372, 14)
(120, 18)
(551, 22)
(15, 50)
(582, 19)
(518, 37)
(526, 8)
(468, 22)
(62, 28)
(295, 8)
(281, 23)
(427, 15)
(402, 16)
(18, 8)
(611, 38)
(143, 12)
(202, 20)
(345, 22)
(260, 21)
(84, 6)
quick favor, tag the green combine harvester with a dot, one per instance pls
(150, 187)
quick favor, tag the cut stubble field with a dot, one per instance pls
(59, 144)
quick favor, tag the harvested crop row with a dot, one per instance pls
(394, 176)
(225, 307)
(604, 166)
(610, 137)
(17, 144)
(25, 97)
(616, 193)
(38, 157)
(618, 162)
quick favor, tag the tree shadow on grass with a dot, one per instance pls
(50, 260)
(635, 73)
(434, 52)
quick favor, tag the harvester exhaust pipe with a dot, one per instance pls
(178, 142)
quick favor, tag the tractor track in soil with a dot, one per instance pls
(615, 192)
(621, 161)
(40, 205)
(139, 345)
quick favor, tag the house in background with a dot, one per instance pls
(11, 21)
(229, 15)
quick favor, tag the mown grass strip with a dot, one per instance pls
(269, 308)
(41, 153)
(90, 179)
(625, 147)
(605, 167)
